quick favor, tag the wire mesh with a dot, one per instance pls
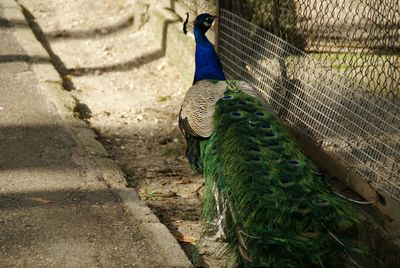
(358, 38)
(335, 109)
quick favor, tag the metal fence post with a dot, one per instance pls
(217, 25)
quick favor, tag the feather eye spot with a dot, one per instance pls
(236, 114)
(255, 159)
(227, 97)
(270, 143)
(266, 126)
(286, 178)
(270, 134)
(293, 162)
(259, 114)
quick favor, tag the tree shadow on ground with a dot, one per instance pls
(86, 34)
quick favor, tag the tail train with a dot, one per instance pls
(280, 210)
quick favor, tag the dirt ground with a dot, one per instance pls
(131, 95)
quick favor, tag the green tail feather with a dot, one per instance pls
(193, 153)
(281, 212)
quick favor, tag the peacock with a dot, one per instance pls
(272, 205)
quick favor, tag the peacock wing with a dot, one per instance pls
(198, 107)
(247, 88)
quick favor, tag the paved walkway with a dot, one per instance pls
(55, 208)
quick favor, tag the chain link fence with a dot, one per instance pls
(358, 38)
(330, 68)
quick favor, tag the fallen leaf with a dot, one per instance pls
(165, 170)
(188, 208)
(185, 181)
(67, 77)
(169, 194)
(41, 200)
(186, 239)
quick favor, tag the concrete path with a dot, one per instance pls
(56, 209)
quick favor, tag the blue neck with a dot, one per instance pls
(208, 65)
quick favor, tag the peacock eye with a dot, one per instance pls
(207, 23)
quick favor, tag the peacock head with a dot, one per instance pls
(202, 22)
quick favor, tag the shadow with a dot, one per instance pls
(55, 59)
(82, 110)
(163, 213)
(57, 227)
(123, 66)
(12, 23)
(335, 34)
(128, 65)
(51, 199)
(23, 58)
(38, 147)
(385, 50)
(63, 34)
(172, 4)
(50, 147)
(292, 103)
(177, 213)
(275, 16)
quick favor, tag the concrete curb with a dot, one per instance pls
(107, 171)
